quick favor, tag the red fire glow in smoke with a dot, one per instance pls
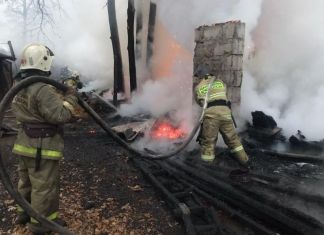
(165, 130)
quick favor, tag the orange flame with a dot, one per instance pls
(167, 51)
(165, 130)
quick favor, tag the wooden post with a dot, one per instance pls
(142, 21)
(139, 28)
(131, 45)
(118, 65)
(150, 33)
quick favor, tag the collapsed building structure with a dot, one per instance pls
(269, 200)
(190, 185)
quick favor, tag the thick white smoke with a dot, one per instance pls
(172, 93)
(80, 38)
(284, 54)
(284, 61)
(287, 70)
(183, 16)
(180, 18)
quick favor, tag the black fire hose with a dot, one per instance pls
(6, 101)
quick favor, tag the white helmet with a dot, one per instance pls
(36, 56)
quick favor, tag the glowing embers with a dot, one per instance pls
(92, 132)
(163, 129)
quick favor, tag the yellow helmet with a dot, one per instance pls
(36, 56)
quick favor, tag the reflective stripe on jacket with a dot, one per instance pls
(217, 90)
(31, 152)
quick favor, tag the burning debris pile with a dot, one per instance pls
(164, 129)
(264, 128)
(299, 142)
(150, 133)
(264, 132)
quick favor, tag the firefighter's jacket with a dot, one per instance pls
(41, 103)
(217, 90)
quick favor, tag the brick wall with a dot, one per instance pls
(220, 48)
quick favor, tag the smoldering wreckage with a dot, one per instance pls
(281, 193)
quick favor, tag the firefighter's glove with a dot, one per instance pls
(71, 102)
(79, 113)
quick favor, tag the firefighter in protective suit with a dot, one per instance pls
(217, 118)
(40, 111)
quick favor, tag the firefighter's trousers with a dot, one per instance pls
(218, 119)
(40, 188)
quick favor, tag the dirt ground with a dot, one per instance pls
(101, 191)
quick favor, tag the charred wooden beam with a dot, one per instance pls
(150, 34)
(105, 102)
(216, 171)
(293, 156)
(236, 213)
(173, 201)
(220, 204)
(139, 28)
(6, 80)
(118, 65)
(187, 205)
(131, 45)
(293, 223)
(12, 52)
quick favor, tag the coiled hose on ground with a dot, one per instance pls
(6, 101)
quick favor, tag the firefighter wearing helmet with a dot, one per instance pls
(40, 111)
(71, 78)
(218, 118)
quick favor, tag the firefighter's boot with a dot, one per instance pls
(60, 222)
(37, 229)
(22, 219)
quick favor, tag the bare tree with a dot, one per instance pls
(34, 15)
